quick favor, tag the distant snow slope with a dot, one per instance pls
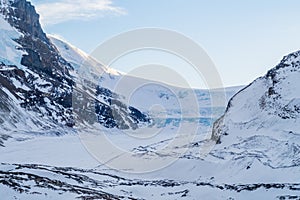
(76, 57)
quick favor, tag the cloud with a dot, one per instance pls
(66, 10)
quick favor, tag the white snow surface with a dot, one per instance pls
(9, 54)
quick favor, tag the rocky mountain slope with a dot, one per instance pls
(33, 73)
(38, 83)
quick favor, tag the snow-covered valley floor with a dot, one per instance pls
(66, 167)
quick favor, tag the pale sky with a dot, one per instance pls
(243, 38)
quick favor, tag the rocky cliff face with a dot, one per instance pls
(263, 118)
(43, 82)
(42, 56)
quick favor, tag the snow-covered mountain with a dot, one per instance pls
(38, 83)
(42, 83)
(175, 103)
(52, 94)
(262, 120)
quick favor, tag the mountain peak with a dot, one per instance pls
(290, 60)
(291, 57)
